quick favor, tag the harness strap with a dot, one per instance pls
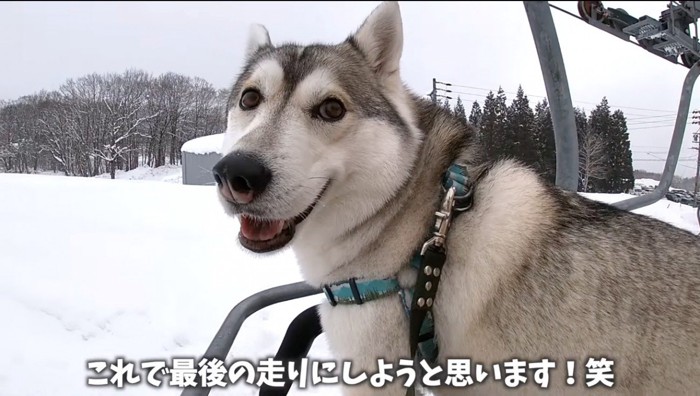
(356, 291)
(418, 303)
(422, 329)
(457, 177)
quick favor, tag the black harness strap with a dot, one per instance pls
(458, 198)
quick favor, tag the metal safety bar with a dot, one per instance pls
(223, 340)
(673, 151)
(565, 136)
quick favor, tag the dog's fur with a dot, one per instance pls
(532, 271)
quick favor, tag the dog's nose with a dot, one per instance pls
(240, 177)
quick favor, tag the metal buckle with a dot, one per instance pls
(329, 295)
(443, 218)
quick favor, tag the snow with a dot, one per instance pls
(677, 214)
(167, 173)
(140, 268)
(50, 173)
(204, 145)
(646, 182)
(97, 269)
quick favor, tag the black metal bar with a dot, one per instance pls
(561, 108)
(673, 151)
(300, 336)
(223, 340)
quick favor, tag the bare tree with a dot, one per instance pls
(6, 135)
(83, 97)
(170, 93)
(20, 149)
(123, 108)
(592, 158)
(99, 123)
(58, 131)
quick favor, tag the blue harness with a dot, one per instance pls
(428, 261)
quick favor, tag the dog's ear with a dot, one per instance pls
(258, 37)
(380, 38)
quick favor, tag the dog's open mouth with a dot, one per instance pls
(263, 235)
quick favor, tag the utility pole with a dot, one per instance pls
(696, 141)
(433, 93)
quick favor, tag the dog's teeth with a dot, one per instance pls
(256, 230)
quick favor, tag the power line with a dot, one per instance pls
(649, 152)
(642, 119)
(468, 93)
(635, 122)
(636, 117)
(666, 121)
(542, 96)
(633, 125)
(663, 159)
(666, 127)
(653, 154)
(670, 119)
(641, 146)
(653, 126)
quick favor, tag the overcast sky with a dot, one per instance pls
(478, 45)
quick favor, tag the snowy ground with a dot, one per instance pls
(145, 270)
(646, 182)
(677, 214)
(166, 173)
(97, 269)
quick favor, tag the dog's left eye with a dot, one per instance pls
(250, 99)
(331, 110)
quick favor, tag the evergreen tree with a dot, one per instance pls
(581, 121)
(519, 142)
(544, 142)
(475, 115)
(493, 123)
(460, 111)
(621, 170)
(446, 105)
(601, 126)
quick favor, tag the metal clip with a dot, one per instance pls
(443, 218)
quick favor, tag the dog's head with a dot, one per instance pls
(319, 134)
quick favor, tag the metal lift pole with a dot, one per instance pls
(561, 108)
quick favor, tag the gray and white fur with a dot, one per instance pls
(532, 271)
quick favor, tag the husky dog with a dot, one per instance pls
(328, 151)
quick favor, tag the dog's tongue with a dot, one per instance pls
(256, 230)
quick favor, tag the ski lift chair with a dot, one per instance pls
(306, 327)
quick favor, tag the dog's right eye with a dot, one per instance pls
(250, 99)
(331, 110)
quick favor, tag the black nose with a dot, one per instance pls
(241, 176)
